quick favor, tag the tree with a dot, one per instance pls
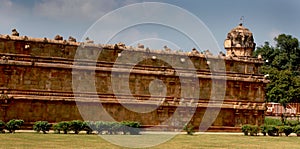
(283, 67)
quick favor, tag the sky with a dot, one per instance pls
(44, 18)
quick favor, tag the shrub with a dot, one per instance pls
(101, 127)
(292, 123)
(272, 130)
(62, 126)
(273, 121)
(132, 127)
(88, 127)
(246, 129)
(14, 125)
(43, 126)
(117, 127)
(76, 126)
(253, 130)
(189, 129)
(263, 129)
(2, 127)
(297, 130)
(287, 130)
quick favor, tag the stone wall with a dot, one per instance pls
(36, 74)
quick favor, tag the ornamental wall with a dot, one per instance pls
(37, 74)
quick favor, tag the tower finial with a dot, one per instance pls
(241, 21)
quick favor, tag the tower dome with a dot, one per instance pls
(239, 42)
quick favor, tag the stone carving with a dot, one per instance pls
(241, 37)
(221, 54)
(194, 52)
(141, 46)
(208, 53)
(58, 37)
(167, 49)
(4, 99)
(45, 40)
(240, 40)
(14, 32)
(5, 58)
(48, 82)
(71, 39)
(87, 40)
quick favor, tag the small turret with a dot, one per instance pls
(239, 42)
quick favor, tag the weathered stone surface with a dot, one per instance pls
(40, 81)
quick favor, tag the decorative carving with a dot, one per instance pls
(240, 40)
(71, 39)
(5, 59)
(87, 40)
(141, 46)
(58, 37)
(4, 99)
(14, 32)
(167, 49)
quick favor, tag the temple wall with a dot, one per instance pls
(38, 75)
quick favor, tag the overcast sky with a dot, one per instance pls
(42, 18)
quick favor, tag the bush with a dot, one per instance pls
(272, 130)
(76, 126)
(132, 127)
(62, 126)
(263, 129)
(2, 127)
(43, 126)
(293, 123)
(246, 129)
(273, 121)
(101, 127)
(189, 129)
(287, 130)
(297, 130)
(254, 130)
(88, 127)
(14, 125)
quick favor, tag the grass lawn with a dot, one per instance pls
(34, 140)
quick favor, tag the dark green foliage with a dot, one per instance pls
(62, 126)
(125, 127)
(287, 130)
(292, 123)
(297, 129)
(14, 125)
(88, 127)
(252, 129)
(189, 129)
(43, 126)
(2, 127)
(263, 129)
(76, 126)
(101, 127)
(132, 127)
(272, 130)
(283, 68)
(246, 129)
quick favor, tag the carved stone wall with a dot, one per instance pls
(37, 75)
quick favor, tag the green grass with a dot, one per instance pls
(34, 140)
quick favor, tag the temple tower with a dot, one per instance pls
(239, 42)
